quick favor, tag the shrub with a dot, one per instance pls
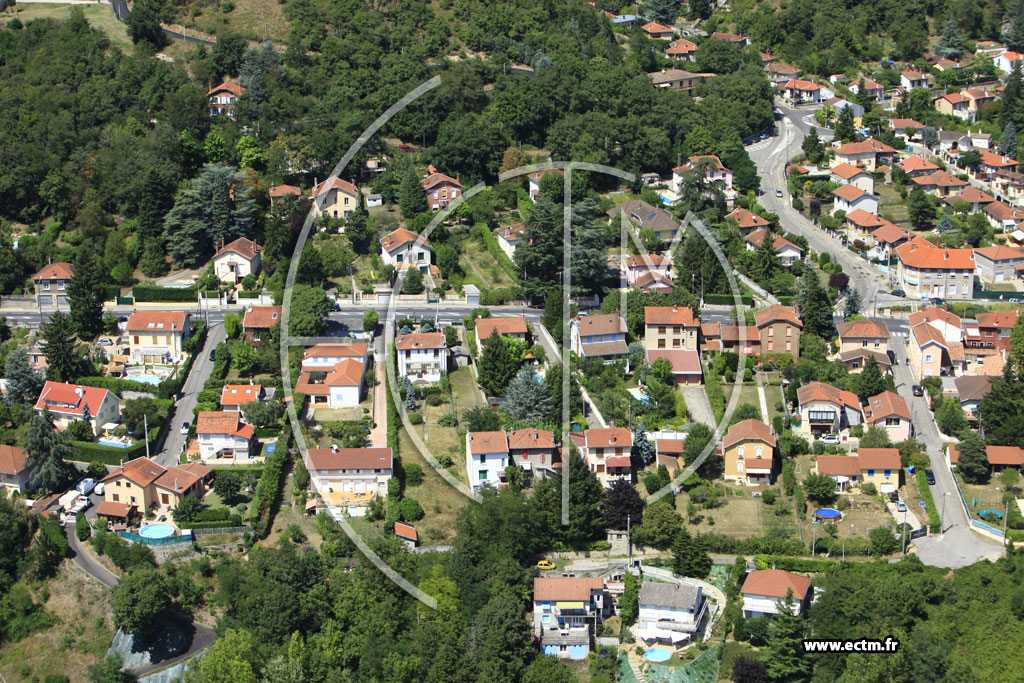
(436, 399)
(447, 420)
(82, 529)
(869, 489)
(410, 510)
(444, 460)
(413, 474)
(769, 496)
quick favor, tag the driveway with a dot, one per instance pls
(201, 368)
(958, 547)
(698, 405)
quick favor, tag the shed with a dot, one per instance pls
(472, 293)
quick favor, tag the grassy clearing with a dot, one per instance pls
(737, 517)
(890, 202)
(981, 497)
(99, 16)
(287, 515)
(252, 18)
(481, 268)
(80, 637)
(748, 394)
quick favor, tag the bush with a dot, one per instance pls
(416, 418)
(436, 399)
(119, 386)
(769, 496)
(268, 487)
(869, 489)
(410, 510)
(82, 529)
(413, 474)
(447, 420)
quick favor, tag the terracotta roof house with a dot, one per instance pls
(234, 396)
(686, 367)
(422, 356)
(765, 591)
(663, 224)
(850, 198)
(402, 247)
(748, 221)
(971, 195)
(878, 466)
(440, 189)
(606, 450)
(223, 98)
(928, 271)
(69, 403)
(406, 532)
(235, 260)
(999, 263)
(787, 251)
(348, 479)
(889, 411)
(511, 327)
(824, 409)
(158, 337)
(914, 165)
(51, 283)
(222, 434)
(598, 335)
(656, 31)
(748, 450)
(142, 484)
(798, 90)
(670, 327)
(258, 320)
(778, 331)
(336, 197)
(999, 457)
(681, 48)
(14, 472)
(940, 183)
(678, 79)
(281, 191)
(533, 180)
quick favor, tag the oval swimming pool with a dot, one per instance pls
(827, 513)
(656, 654)
(156, 531)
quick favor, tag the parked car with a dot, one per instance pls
(894, 496)
(898, 292)
(830, 439)
(213, 353)
(938, 301)
(184, 428)
(104, 341)
(901, 506)
(1015, 301)
(918, 390)
(99, 489)
(930, 476)
(545, 564)
(778, 193)
(85, 486)
(406, 148)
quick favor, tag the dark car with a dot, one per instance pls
(894, 496)
(918, 390)
(938, 301)
(930, 476)
(898, 292)
(213, 353)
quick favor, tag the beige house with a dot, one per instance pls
(606, 451)
(677, 79)
(14, 473)
(778, 330)
(51, 285)
(925, 271)
(144, 484)
(929, 352)
(889, 411)
(347, 479)
(157, 337)
(878, 466)
(865, 154)
(670, 327)
(505, 327)
(336, 197)
(749, 448)
(863, 334)
(234, 261)
(824, 409)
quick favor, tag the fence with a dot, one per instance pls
(223, 530)
(167, 540)
(976, 523)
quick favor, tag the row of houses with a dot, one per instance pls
(942, 344)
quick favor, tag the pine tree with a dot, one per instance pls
(698, 10)
(812, 146)
(951, 42)
(527, 397)
(852, 303)
(784, 658)
(664, 11)
(846, 129)
(765, 262)
(1008, 141)
(60, 348)
(85, 294)
(1014, 34)
(1002, 409)
(689, 557)
(496, 366)
(23, 383)
(46, 450)
(411, 197)
(872, 383)
(920, 209)
(973, 460)
(643, 449)
(815, 308)
(1012, 103)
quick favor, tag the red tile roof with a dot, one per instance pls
(683, 362)
(798, 84)
(692, 161)
(682, 46)
(486, 326)
(141, 471)
(879, 458)
(406, 531)
(916, 256)
(245, 248)
(849, 192)
(285, 191)
(608, 437)
(1002, 319)
(335, 183)
(240, 394)
(70, 399)
(934, 314)
(915, 163)
(394, 240)
(757, 237)
(655, 27)
(670, 315)
(748, 430)
(420, 340)
(999, 253)
(227, 86)
(55, 271)
(731, 37)
(971, 195)
(847, 171)
(890, 234)
(350, 458)
(12, 460)
(261, 317)
(109, 508)
(222, 422)
(572, 589)
(776, 583)
(177, 480)
(990, 159)
(435, 179)
(862, 329)
(487, 442)
(747, 219)
(349, 350)
(777, 312)
(152, 322)
(647, 261)
(600, 323)
(886, 404)
(819, 391)
(838, 465)
(864, 147)
(531, 437)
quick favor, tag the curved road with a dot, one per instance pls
(202, 636)
(121, 11)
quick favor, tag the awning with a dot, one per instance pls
(840, 479)
(661, 634)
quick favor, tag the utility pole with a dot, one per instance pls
(904, 540)
(629, 544)
(1006, 514)
(145, 424)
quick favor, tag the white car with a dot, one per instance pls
(832, 439)
(184, 428)
(105, 341)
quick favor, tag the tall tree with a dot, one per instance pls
(60, 348)
(643, 450)
(1008, 141)
(973, 460)
(846, 129)
(528, 397)
(696, 441)
(308, 316)
(1001, 410)
(664, 11)
(502, 638)
(47, 451)
(1012, 109)
(852, 303)
(815, 308)
(1016, 355)
(144, 23)
(540, 255)
(765, 262)
(1014, 33)
(785, 658)
(872, 382)
(622, 506)
(812, 146)
(497, 367)
(689, 557)
(553, 378)
(585, 497)
(412, 199)
(85, 294)
(920, 209)
(23, 383)
(951, 41)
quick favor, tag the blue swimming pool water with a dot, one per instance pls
(827, 513)
(113, 442)
(147, 379)
(656, 654)
(156, 531)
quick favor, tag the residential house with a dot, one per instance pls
(994, 329)
(855, 359)
(222, 434)
(824, 409)
(487, 456)
(681, 48)
(534, 451)
(927, 271)
(606, 450)
(69, 403)
(838, 104)
(672, 612)
(686, 367)
(403, 247)
(976, 99)
(714, 172)
(234, 396)
(912, 78)
(947, 324)
(51, 285)
(1008, 185)
(510, 237)
(656, 31)
(878, 466)
(1005, 61)
(639, 265)
(914, 165)
(999, 263)
(748, 221)
(336, 197)
(733, 38)
(999, 457)
(940, 183)
(765, 592)
(850, 198)
(283, 191)
(340, 386)
(663, 224)
(847, 174)
(863, 334)
(347, 479)
(945, 64)
(1002, 216)
(972, 196)
(422, 356)
(739, 339)
(888, 237)
(951, 141)
(223, 98)
(872, 88)
(158, 337)
(566, 612)
(533, 180)
(844, 470)
(14, 473)
(653, 281)
(258, 320)
(678, 79)
(992, 164)
(867, 154)
(797, 90)
(407, 534)
(778, 329)
(889, 411)
(440, 189)
(929, 353)
(787, 252)
(669, 454)
(670, 327)
(979, 141)
(143, 484)
(779, 73)
(860, 226)
(749, 452)
(598, 335)
(505, 327)
(905, 127)
(971, 389)
(235, 260)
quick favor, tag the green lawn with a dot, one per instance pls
(481, 268)
(99, 16)
(891, 203)
(748, 394)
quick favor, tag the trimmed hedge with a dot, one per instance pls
(495, 251)
(728, 299)
(152, 293)
(249, 294)
(266, 432)
(393, 418)
(226, 523)
(246, 469)
(792, 564)
(268, 489)
(117, 385)
(934, 521)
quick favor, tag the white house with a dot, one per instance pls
(326, 356)
(911, 78)
(68, 403)
(716, 172)
(798, 90)
(848, 174)
(850, 198)
(1007, 60)
(787, 251)
(347, 479)
(222, 434)
(670, 611)
(533, 180)
(566, 612)
(234, 261)
(157, 336)
(14, 472)
(510, 237)
(339, 387)
(403, 246)
(422, 356)
(486, 458)
(765, 590)
(824, 409)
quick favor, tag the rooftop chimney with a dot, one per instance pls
(334, 448)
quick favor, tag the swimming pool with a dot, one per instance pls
(156, 531)
(146, 379)
(114, 443)
(656, 654)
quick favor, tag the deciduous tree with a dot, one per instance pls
(689, 557)
(621, 506)
(138, 599)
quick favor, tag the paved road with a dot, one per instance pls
(201, 368)
(86, 562)
(957, 545)
(698, 405)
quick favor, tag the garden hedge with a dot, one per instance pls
(152, 293)
(934, 521)
(268, 488)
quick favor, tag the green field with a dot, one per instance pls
(99, 16)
